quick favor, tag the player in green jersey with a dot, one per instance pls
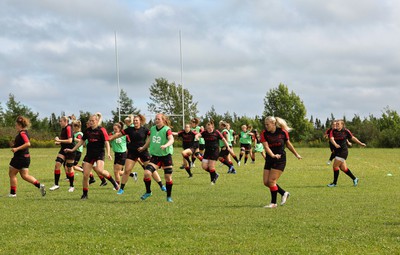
(161, 150)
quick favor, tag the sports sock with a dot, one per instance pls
(147, 183)
(274, 193)
(169, 188)
(349, 173)
(57, 174)
(280, 190)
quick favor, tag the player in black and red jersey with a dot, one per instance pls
(97, 138)
(21, 160)
(66, 141)
(339, 138)
(274, 139)
(137, 135)
(211, 138)
(189, 146)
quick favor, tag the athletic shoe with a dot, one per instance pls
(355, 181)
(54, 187)
(328, 162)
(104, 183)
(215, 179)
(238, 163)
(253, 162)
(233, 171)
(92, 181)
(135, 176)
(120, 192)
(169, 200)
(42, 190)
(190, 176)
(163, 188)
(331, 185)
(271, 206)
(145, 196)
(71, 189)
(84, 197)
(116, 187)
(12, 195)
(285, 197)
(182, 167)
(192, 165)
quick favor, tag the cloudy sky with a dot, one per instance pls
(339, 56)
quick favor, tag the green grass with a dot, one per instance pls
(227, 218)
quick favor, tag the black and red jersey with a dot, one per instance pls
(211, 139)
(67, 133)
(21, 139)
(187, 138)
(136, 137)
(276, 141)
(341, 137)
(96, 139)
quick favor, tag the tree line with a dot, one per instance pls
(166, 97)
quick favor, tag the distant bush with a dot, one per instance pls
(42, 144)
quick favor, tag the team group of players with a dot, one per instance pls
(153, 149)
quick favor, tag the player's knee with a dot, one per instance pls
(150, 168)
(60, 160)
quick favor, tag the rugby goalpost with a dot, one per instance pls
(181, 76)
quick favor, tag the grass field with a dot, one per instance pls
(227, 218)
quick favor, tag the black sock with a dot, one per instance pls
(122, 186)
(335, 176)
(147, 183)
(160, 184)
(169, 188)
(212, 175)
(131, 174)
(280, 190)
(273, 196)
(350, 174)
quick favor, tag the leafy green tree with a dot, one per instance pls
(1, 115)
(126, 105)
(279, 102)
(15, 108)
(166, 98)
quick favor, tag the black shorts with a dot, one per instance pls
(247, 147)
(144, 156)
(162, 161)
(273, 163)
(202, 147)
(68, 156)
(342, 153)
(21, 162)
(223, 152)
(196, 144)
(91, 159)
(211, 154)
(119, 158)
(78, 156)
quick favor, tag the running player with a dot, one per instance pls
(188, 143)
(274, 138)
(258, 147)
(211, 137)
(339, 137)
(194, 124)
(21, 159)
(224, 152)
(137, 135)
(66, 141)
(118, 145)
(161, 150)
(76, 127)
(97, 138)
(245, 143)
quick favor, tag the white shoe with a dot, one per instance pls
(135, 177)
(285, 197)
(328, 162)
(271, 206)
(238, 163)
(12, 195)
(71, 189)
(54, 187)
(42, 190)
